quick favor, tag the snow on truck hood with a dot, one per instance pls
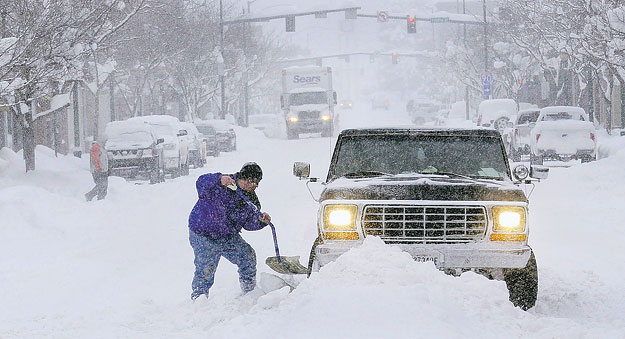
(426, 187)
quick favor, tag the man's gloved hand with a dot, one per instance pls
(265, 218)
(228, 182)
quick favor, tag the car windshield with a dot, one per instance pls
(527, 118)
(561, 116)
(135, 136)
(206, 129)
(163, 130)
(471, 156)
(308, 98)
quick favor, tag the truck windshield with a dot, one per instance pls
(471, 156)
(308, 98)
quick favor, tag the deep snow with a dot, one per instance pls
(122, 267)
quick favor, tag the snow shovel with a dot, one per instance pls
(280, 264)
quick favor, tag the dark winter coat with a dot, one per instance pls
(220, 211)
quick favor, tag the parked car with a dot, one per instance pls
(226, 136)
(197, 146)
(496, 113)
(134, 149)
(175, 147)
(269, 124)
(519, 133)
(209, 137)
(563, 133)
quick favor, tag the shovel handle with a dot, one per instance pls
(273, 228)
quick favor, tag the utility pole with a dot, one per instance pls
(466, 87)
(223, 68)
(485, 42)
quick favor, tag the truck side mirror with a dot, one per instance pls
(160, 140)
(301, 170)
(182, 133)
(539, 172)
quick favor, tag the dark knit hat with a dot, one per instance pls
(251, 170)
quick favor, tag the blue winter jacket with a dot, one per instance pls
(220, 211)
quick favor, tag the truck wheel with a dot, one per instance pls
(313, 264)
(327, 132)
(522, 284)
(154, 176)
(291, 134)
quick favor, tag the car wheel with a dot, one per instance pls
(313, 263)
(522, 284)
(501, 124)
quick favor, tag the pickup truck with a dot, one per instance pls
(446, 196)
(562, 133)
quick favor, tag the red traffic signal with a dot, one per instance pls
(394, 58)
(411, 25)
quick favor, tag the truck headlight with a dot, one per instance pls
(325, 117)
(293, 119)
(339, 222)
(509, 219)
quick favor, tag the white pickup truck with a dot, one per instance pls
(563, 133)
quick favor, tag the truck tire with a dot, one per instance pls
(501, 124)
(522, 284)
(327, 132)
(291, 134)
(312, 260)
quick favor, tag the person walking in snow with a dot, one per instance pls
(215, 225)
(99, 171)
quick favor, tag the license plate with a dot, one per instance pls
(427, 258)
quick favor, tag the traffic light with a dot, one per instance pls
(371, 58)
(411, 25)
(290, 23)
(394, 58)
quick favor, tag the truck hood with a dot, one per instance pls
(427, 187)
(309, 107)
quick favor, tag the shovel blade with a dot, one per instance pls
(287, 265)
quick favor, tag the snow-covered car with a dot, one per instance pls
(445, 196)
(134, 150)
(519, 134)
(496, 113)
(269, 124)
(226, 136)
(175, 147)
(563, 133)
(209, 135)
(197, 146)
(422, 110)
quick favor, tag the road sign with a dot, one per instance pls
(486, 89)
(486, 79)
(382, 16)
(439, 20)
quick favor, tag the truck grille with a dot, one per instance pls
(309, 115)
(425, 224)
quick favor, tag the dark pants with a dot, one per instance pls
(207, 255)
(101, 180)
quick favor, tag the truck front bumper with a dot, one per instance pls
(467, 256)
(309, 126)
